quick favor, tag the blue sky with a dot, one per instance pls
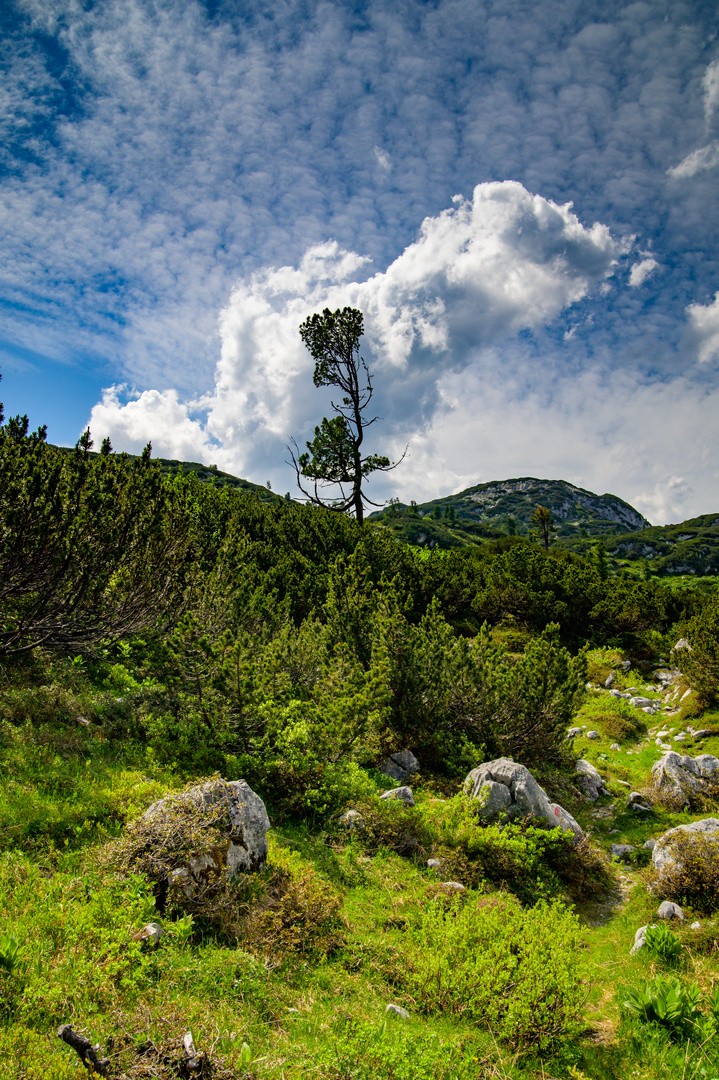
(521, 197)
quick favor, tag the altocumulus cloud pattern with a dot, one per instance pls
(520, 197)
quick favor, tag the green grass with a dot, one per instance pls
(287, 1002)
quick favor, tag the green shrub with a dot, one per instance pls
(533, 861)
(389, 1050)
(692, 878)
(701, 663)
(489, 961)
(391, 824)
(302, 918)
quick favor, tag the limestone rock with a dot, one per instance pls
(397, 1010)
(668, 910)
(235, 809)
(404, 794)
(400, 766)
(684, 776)
(621, 852)
(640, 939)
(149, 936)
(663, 857)
(593, 735)
(588, 780)
(352, 819)
(522, 796)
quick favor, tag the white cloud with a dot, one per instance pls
(702, 335)
(641, 271)
(711, 90)
(479, 273)
(152, 416)
(706, 157)
(383, 159)
(608, 433)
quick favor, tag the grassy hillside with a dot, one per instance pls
(157, 631)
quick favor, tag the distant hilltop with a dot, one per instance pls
(507, 506)
(569, 505)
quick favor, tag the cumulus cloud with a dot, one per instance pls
(479, 273)
(702, 335)
(706, 157)
(641, 271)
(153, 416)
(606, 432)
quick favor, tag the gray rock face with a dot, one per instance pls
(621, 852)
(609, 681)
(640, 939)
(668, 910)
(683, 776)
(352, 819)
(246, 822)
(404, 794)
(400, 766)
(663, 856)
(588, 780)
(508, 790)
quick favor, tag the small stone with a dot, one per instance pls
(434, 864)
(680, 738)
(573, 731)
(621, 852)
(703, 734)
(453, 886)
(150, 935)
(623, 783)
(352, 819)
(640, 939)
(615, 746)
(593, 735)
(404, 794)
(663, 733)
(609, 681)
(668, 910)
(648, 845)
(695, 926)
(682, 644)
(397, 1010)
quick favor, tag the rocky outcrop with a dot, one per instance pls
(400, 766)
(228, 809)
(506, 790)
(589, 781)
(664, 856)
(683, 777)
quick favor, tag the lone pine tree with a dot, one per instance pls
(334, 458)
